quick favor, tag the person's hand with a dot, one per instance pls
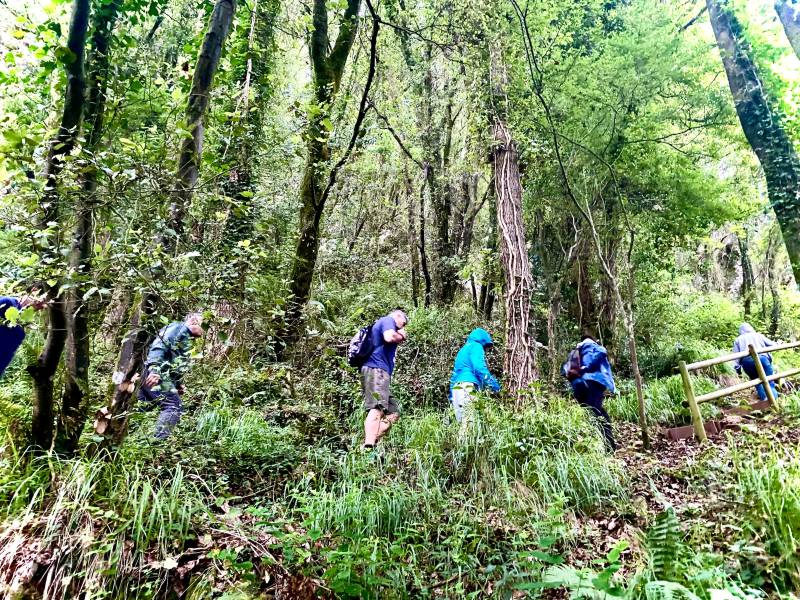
(36, 302)
(181, 389)
(152, 379)
(402, 332)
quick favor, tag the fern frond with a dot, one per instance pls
(664, 543)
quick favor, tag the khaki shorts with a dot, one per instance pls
(375, 390)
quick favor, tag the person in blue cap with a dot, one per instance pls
(470, 372)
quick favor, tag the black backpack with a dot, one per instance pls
(360, 348)
(573, 365)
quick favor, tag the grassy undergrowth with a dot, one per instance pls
(237, 504)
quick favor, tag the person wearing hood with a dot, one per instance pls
(750, 337)
(470, 372)
(589, 373)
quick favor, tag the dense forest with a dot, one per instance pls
(547, 209)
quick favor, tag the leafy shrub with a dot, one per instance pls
(245, 440)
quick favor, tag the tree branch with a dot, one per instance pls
(363, 107)
(397, 138)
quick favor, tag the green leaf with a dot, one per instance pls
(65, 55)
(12, 315)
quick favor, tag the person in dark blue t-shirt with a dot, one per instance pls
(376, 377)
(11, 333)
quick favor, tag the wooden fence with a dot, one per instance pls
(763, 379)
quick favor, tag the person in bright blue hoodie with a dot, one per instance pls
(590, 384)
(470, 371)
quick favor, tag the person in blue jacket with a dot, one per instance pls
(594, 380)
(11, 333)
(166, 364)
(470, 371)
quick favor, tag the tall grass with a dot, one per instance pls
(103, 528)
(464, 500)
(244, 436)
(664, 401)
(768, 485)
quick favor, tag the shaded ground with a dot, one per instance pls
(693, 479)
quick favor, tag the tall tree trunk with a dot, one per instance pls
(44, 370)
(114, 421)
(436, 144)
(774, 287)
(73, 410)
(519, 366)
(587, 311)
(748, 279)
(327, 69)
(762, 126)
(413, 239)
(789, 15)
(423, 252)
(553, 311)
(489, 276)
(245, 144)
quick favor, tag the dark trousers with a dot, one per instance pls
(170, 405)
(749, 367)
(589, 394)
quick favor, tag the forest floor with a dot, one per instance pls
(694, 479)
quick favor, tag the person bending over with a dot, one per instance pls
(747, 337)
(470, 372)
(589, 373)
(376, 377)
(166, 364)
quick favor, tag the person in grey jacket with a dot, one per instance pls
(750, 337)
(166, 364)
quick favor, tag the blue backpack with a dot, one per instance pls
(360, 348)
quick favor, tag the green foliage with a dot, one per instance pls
(246, 441)
(768, 484)
(663, 545)
(665, 401)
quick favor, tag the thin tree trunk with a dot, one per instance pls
(587, 312)
(437, 143)
(44, 370)
(423, 252)
(554, 309)
(114, 422)
(762, 126)
(413, 250)
(748, 279)
(774, 287)
(73, 410)
(486, 301)
(789, 15)
(327, 70)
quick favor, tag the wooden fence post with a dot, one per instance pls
(762, 375)
(697, 418)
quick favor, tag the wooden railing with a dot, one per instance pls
(763, 379)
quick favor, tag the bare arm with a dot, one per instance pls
(390, 336)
